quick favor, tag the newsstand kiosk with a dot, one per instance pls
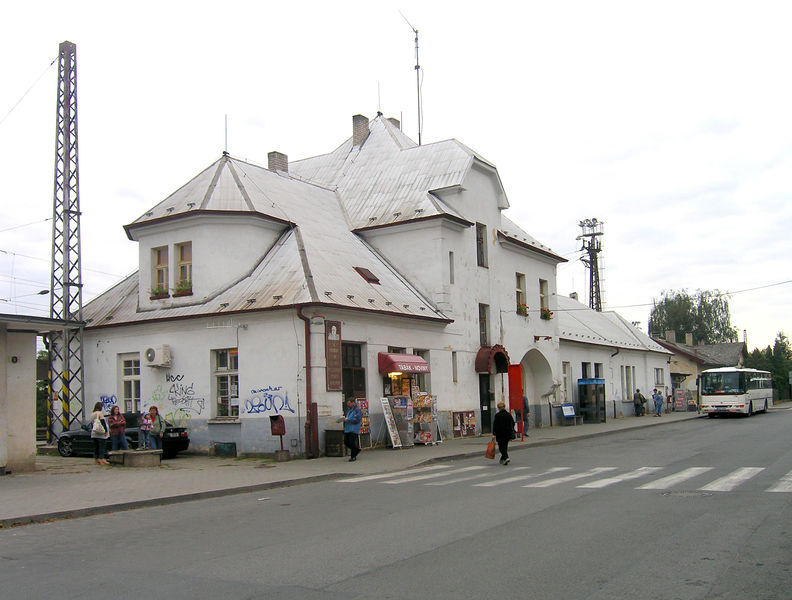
(414, 411)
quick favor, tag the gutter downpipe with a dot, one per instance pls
(311, 415)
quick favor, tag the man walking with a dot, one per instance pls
(503, 431)
(352, 420)
(638, 402)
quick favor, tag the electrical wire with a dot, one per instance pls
(26, 225)
(28, 90)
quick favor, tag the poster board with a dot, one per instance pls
(464, 423)
(390, 423)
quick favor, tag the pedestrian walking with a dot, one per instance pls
(503, 431)
(117, 424)
(352, 420)
(99, 429)
(638, 402)
(144, 440)
(157, 428)
(658, 402)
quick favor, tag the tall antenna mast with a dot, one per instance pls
(592, 245)
(66, 345)
(417, 81)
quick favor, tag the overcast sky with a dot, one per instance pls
(669, 121)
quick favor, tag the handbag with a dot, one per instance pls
(490, 453)
(98, 428)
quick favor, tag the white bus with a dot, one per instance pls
(733, 390)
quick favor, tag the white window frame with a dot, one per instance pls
(160, 270)
(520, 289)
(183, 279)
(225, 382)
(543, 294)
(129, 388)
(659, 377)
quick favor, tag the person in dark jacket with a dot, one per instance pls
(502, 431)
(352, 420)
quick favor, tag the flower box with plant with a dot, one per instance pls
(158, 292)
(546, 314)
(183, 288)
(522, 309)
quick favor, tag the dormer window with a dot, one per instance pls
(183, 267)
(159, 282)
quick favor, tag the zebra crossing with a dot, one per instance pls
(487, 476)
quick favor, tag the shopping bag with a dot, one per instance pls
(490, 453)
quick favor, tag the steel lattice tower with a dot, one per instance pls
(66, 345)
(592, 230)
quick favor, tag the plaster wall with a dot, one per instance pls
(17, 401)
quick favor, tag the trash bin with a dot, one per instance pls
(334, 442)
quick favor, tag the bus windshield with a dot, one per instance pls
(722, 383)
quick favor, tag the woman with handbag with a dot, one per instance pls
(99, 434)
(503, 431)
(157, 428)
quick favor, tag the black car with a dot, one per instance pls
(77, 442)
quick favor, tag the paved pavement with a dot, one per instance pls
(73, 487)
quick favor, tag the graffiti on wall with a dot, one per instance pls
(181, 395)
(268, 399)
(108, 402)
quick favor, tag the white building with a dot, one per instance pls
(603, 348)
(280, 291)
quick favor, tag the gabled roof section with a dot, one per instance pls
(219, 189)
(388, 179)
(579, 323)
(313, 262)
(727, 354)
(511, 232)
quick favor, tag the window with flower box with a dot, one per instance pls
(183, 269)
(159, 280)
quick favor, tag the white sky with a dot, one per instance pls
(669, 121)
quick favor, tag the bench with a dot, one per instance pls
(135, 458)
(568, 412)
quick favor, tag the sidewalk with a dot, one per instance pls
(72, 487)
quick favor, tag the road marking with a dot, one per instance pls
(394, 474)
(732, 480)
(432, 475)
(640, 472)
(666, 482)
(557, 480)
(520, 477)
(784, 484)
(491, 473)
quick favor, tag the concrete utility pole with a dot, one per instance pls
(66, 345)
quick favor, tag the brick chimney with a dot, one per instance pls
(670, 336)
(360, 129)
(277, 161)
(689, 339)
(395, 123)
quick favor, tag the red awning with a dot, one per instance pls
(402, 363)
(489, 354)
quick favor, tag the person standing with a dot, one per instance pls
(144, 442)
(157, 428)
(117, 424)
(658, 402)
(352, 420)
(638, 402)
(503, 431)
(99, 434)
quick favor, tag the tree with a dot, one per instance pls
(705, 314)
(777, 360)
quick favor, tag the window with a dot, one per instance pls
(598, 370)
(454, 377)
(566, 370)
(423, 380)
(626, 393)
(226, 379)
(367, 275)
(585, 370)
(659, 377)
(481, 244)
(184, 267)
(483, 329)
(130, 382)
(353, 372)
(543, 294)
(159, 284)
(520, 290)
(450, 267)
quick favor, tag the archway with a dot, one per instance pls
(538, 387)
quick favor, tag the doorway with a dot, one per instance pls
(485, 399)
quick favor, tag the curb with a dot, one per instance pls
(177, 499)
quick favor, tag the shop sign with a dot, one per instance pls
(333, 356)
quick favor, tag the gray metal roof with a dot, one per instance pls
(579, 323)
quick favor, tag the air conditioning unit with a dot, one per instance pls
(157, 356)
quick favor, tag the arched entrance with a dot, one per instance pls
(538, 387)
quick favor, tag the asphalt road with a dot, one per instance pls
(699, 509)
